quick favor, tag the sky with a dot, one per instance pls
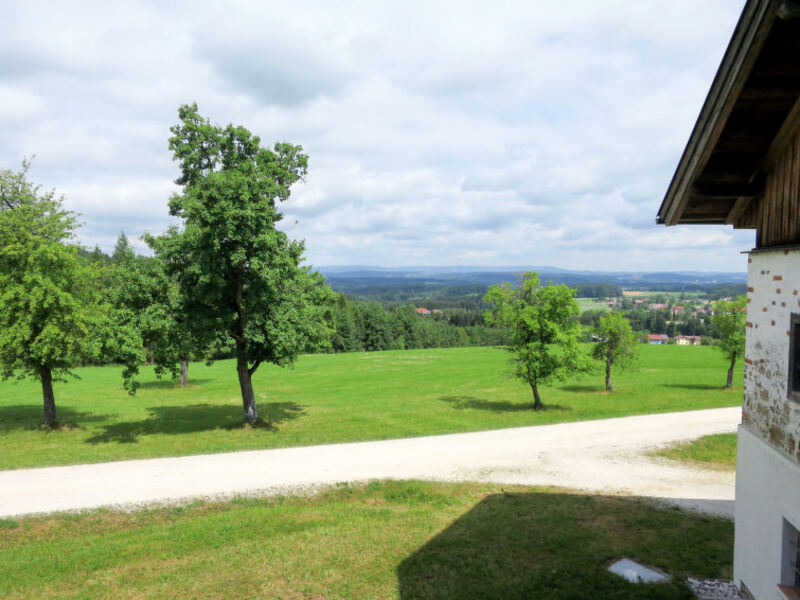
(439, 133)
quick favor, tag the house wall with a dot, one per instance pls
(776, 216)
(773, 295)
(768, 457)
(767, 496)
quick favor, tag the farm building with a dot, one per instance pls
(741, 167)
(658, 338)
(688, 340)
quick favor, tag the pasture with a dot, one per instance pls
(336, 398)
(382, 540)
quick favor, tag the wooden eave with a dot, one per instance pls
(753, 102)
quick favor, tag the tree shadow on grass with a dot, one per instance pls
(169, 384)
(29, 417)
(533, 545)
(583, 388)
(694, 386)
(499, 406)
(176, 420)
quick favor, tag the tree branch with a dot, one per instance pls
(255, 366)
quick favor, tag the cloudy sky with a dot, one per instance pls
(440, 133)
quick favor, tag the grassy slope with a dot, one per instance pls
(335, 398)
(717, 451)
(385, 540)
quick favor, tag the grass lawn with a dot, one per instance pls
(383, 540)
(718, 451)
(335, 398)
(591, 304)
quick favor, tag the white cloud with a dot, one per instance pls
(439, 133)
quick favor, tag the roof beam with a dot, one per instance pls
(725, 190)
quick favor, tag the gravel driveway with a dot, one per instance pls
(605, 456)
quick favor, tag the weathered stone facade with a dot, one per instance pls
(773, 295)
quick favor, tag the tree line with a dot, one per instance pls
(226, 282)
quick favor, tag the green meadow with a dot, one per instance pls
(335, 398)
(382, 540)
(716, 451)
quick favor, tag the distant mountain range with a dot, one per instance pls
(353, 277)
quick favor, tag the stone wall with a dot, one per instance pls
(773, 295)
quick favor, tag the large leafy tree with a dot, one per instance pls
(543, 330)
(616, 343)
(241, 278)
(729, 322)
(45, 306)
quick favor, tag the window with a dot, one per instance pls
(790, 557)
(794, 358)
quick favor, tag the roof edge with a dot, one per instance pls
(737, 62)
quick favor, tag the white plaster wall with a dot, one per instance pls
(773, 295)
(767, 492)
(768, 459)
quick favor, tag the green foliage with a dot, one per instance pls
(617, 343)
(45, 293)
(544, 332)
(240, 277)
(729, 323)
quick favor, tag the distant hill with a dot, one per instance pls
(410, 281)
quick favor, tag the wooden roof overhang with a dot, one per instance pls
(750, 113)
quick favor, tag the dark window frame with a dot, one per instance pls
(793, 386)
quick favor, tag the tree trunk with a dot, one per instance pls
(246, 384)
(184, 372)
(730, 374)
(608, 372)
(47, 393)
(537, 401)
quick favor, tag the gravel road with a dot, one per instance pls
(605, 456)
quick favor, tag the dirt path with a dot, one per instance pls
(605, 456)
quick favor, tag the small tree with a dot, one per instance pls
(543, 330)
(617, 343)
(240, 277)
(729, 322)
(147, 316)
(45, 305)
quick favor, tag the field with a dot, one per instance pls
(336, 398)
(716, 451)
(591, 304)
(383, 540)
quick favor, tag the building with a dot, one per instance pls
(423, 311)
(658, 338)
(687, 340)
(741, 167)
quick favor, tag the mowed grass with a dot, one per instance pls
(716, 451)
(591, 304)
(383, 540)
(335, 398)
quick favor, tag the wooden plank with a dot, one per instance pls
(783, 138)
(726, 190)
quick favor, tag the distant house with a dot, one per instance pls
(741, 168)
(657, 338)
(658, 306)
(423, 311)
(677, 309)
(687, 340)
(436, 311)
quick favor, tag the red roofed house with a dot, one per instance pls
(741, 167)
(423, 311)
(657, 338)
